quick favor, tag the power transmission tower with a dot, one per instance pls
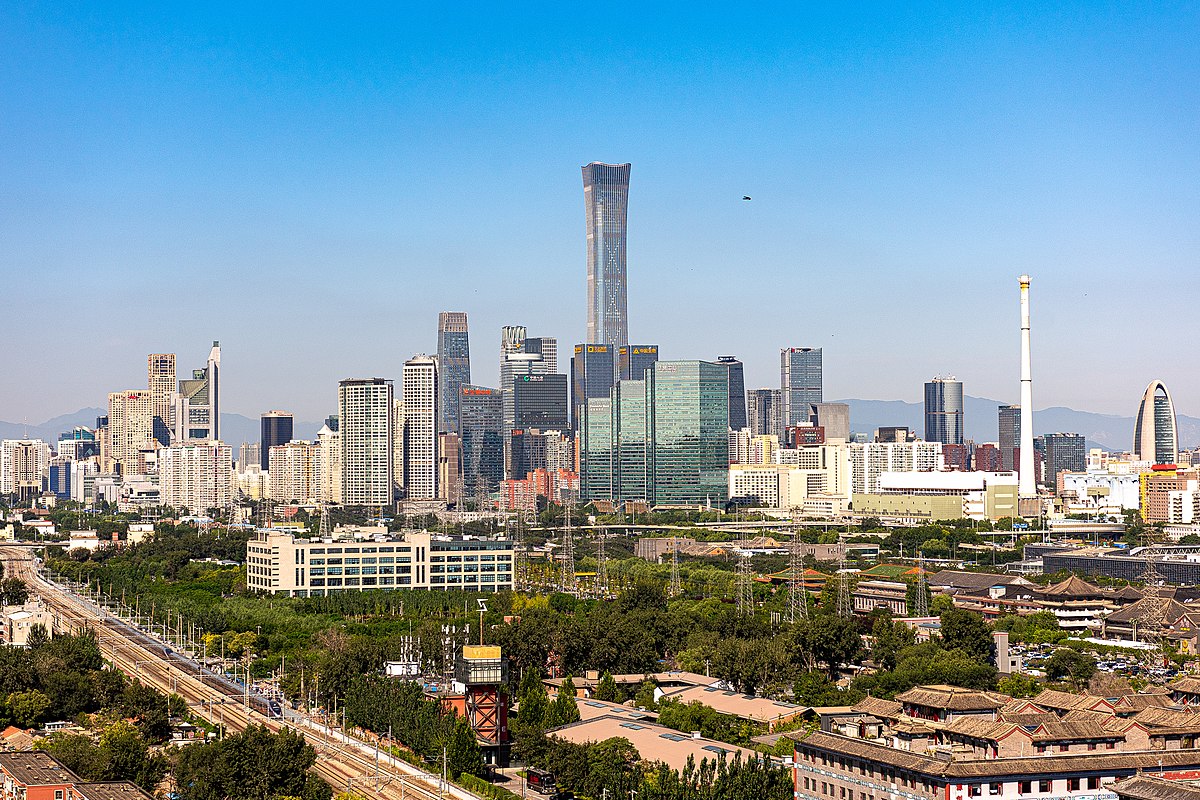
(568, 583)
(674, 591)
(265, 513)
(324, 531)
(601, 565)
(844, 607)
(921, 601)
(1155, 601)
(743, 591)
(797, 594)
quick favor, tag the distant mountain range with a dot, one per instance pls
(1109, 431)
(235, 428)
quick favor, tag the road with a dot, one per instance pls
(348, 764)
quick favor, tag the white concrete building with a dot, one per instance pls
(1101, 492)
(420, 395)
(809, 472)
(130, 427)
(279, 563)
(973, 487)
(294, 473)
(23, 464)
(869, 460)
(329, 466)
(196, 476)
(365, 422)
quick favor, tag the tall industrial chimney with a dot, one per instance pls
(1027, 486)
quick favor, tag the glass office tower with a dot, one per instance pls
(737, 392)
(689, 417)
(592, 373)
(606, 207)
(454, 367)
(596, 450)
(801, 382)
(944, 411)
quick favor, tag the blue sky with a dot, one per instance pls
(311, 185)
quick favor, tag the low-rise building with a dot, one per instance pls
(652, 741)
(280, 563)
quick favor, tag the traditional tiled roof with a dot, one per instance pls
(1030, 718)
(1128, 593)
(1186, 683)
(1147, 607)
(886, 709)
(981, 728)
(1065, 701)
(1137, 702)
(1172, 718)
(953, 698)
(974, 581)
(1150, 787)
(1074, 586)
(1073, 730)
(987, 768)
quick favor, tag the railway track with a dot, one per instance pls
(347, 763)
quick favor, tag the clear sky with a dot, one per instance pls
(311, 185)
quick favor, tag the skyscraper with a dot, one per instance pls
(606, 207)
(130, 427)
(275, 427)
(801, 382)
(944, 411)
(834, 418)
(634, 359)
(420, 393)
(1009, 419)
(737, 392)
(160, 380)
(454, 366)
(198, 402)
(765, 417)
(592, 375)
(1155, 436)
(481, 434)
(1064, 452)
(365, 425)
(690, 425)
(540, 401)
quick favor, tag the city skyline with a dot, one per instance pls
(937, 168)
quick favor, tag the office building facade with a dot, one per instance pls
(1009, 421)
(765, 412)
(454, 366)
(130, 428)
(1063, 452)
(366, 426)
(593, 372)
(689, 420)
(420, 395)
(944, 411)
(481, 436)
(606, 207)
(278, 563)
(1155, 435)
(633, 360)
(801, 383)
(833, 419)
(198, 402)
(737, 392)
(160, 380)
(275, 428)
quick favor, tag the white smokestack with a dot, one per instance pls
(1027, 486)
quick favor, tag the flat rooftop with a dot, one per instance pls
(653, 742)
(744, 706)
(36, 768)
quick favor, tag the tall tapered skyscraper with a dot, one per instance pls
(606, 201)
(454, 366)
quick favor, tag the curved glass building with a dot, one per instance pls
(606, 201)
(1155, 437)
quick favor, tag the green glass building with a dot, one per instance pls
(596, 449)
(689, 418)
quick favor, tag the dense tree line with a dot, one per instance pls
(423, 725)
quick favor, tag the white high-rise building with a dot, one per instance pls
(294, 472)
(130, 427)
(329, 466)
(23, 463)
(869, 460)
(365, 416)
(196, 476)
(160, 380)
(420, 392)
